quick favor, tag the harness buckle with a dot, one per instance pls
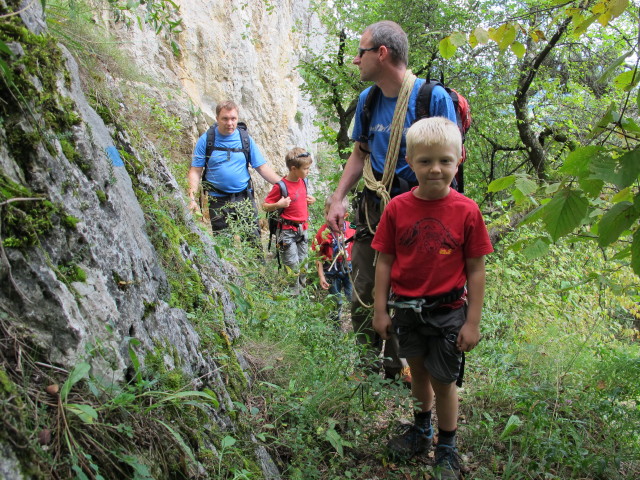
(415, 304)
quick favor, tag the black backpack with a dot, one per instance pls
(275, 218)
(211, 141)
(423, 104)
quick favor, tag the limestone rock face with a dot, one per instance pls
(243, 51)
(229, 50)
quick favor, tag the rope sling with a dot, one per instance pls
(382, 187)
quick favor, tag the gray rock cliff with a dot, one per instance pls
(93, 221)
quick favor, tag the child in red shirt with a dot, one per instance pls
(431, 243)
(334, 266)
(294, 212)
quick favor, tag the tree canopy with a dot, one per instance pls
(553, 87)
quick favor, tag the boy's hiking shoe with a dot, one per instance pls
(412, 441)
(447, 464)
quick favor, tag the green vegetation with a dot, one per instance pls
(80, 425)
(551, 391)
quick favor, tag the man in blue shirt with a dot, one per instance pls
(227, 175)
(382, 58)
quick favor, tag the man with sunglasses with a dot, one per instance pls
(382, 58)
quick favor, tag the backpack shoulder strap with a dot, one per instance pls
(211, 139)
(283, 188)
(246, 143)
(244, 139)
(365, 116)
(284, 192)
(423, 101)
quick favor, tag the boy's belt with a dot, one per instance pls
(426, 303)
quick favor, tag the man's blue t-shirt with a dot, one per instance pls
(382, 116)
(227, 171)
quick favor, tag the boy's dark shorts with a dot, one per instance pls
(433, 336)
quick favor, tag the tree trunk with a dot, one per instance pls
(530, 69)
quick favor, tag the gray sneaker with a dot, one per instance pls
(447, 465)
(412, 441)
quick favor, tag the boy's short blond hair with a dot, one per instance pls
(328, 202)
(297, 157)
(433, 131)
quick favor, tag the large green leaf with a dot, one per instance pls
(481, 35)
(577, 162)
(610, 70)
(518, 49)
(512, 425)
(458, 39)
(591, 186)
(580, 29)
(618, 219)
(629, 168)
(447, 48)
(626, 80)
(534, 215)
(526, 185)
(501, 183)
(607, 169)
(537, 249)
(508, 38)
(86, 412)
(564, 213)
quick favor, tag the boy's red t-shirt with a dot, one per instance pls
(430, 240)
(298, 210)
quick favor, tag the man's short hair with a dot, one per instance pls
(391, 35)
(226, 105)
(297, 157)
(433, 131)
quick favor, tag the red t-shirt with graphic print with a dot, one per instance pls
(431, 240)
(298, 210)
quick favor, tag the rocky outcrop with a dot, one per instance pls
(90, 275)
(244, 51)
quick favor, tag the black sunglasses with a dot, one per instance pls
(302, 155)
(362, 50)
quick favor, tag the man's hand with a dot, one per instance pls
(193, 206)
(324, 284)
(335, 215)
(468, 337)
(382, 324)
(311, 200)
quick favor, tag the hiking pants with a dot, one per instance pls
(339, 286)
(294, 248)
(363, 274)
(227, 209)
